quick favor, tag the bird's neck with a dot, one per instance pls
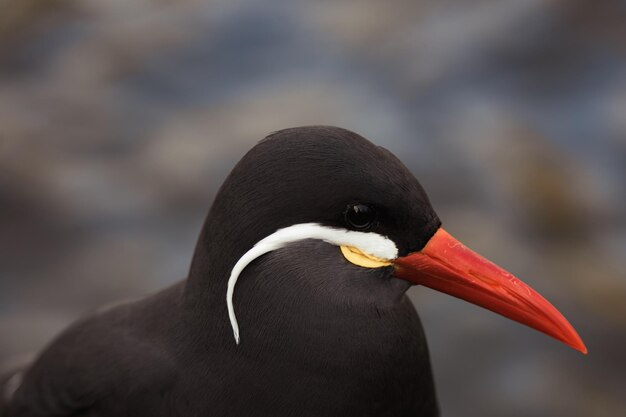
(303, 348)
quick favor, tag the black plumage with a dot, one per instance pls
(320, 336)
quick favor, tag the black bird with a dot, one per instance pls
(323, 232)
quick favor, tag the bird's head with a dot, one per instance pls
(333, 186)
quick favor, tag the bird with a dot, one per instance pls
(295, 301)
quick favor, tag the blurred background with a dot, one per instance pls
(119, 120)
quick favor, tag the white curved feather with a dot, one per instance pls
(370, 243)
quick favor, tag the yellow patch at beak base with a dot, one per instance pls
(357, 257)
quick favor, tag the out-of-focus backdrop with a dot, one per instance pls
(119, 120)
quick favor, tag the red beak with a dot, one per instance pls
(446, 265)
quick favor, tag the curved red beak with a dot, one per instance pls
(446, 265)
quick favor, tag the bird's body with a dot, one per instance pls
(155, 357)
(333, 231)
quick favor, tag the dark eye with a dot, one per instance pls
(360, 216)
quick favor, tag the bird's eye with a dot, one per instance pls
(360, 216)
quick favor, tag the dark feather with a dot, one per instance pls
(320, 336)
